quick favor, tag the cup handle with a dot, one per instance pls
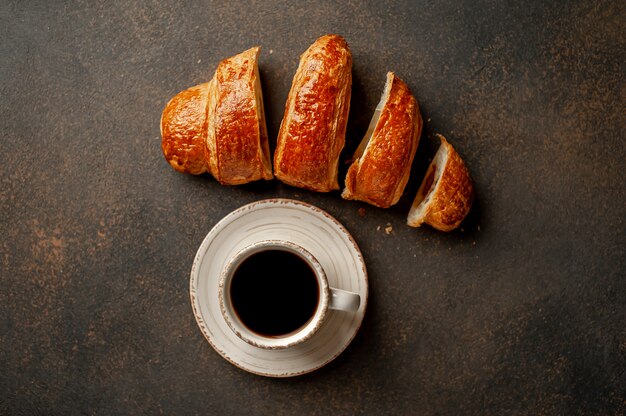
(342, 300)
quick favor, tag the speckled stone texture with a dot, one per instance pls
(521, 311)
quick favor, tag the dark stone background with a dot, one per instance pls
(520, 312)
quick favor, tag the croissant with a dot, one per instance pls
(313, 129)
(382, 162)
(446, 193)
(219, 126)
(184, 130)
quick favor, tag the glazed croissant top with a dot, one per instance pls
(313, 129)
(219, 126)
(382, 162)
(184, 130)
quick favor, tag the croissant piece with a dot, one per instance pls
(312, 133)
(219, 126)
(184, 130)
(446, 193)
(382, 162)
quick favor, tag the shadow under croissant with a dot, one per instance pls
(273, 115)
(362, 107)
(425, 152)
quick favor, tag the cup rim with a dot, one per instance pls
(290, 339)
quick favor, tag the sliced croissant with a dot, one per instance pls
(313, 129)
(446, 193)
(237, 139)
(225, 119)
(382, 162)
(184, 130)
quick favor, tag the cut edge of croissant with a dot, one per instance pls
(263, 137)
(361, 150)
(445, 196)
(210, 151)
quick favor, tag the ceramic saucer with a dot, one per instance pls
(307, 226)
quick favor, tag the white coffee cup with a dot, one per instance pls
(329, 299)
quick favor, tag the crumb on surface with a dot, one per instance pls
(378, 228)
(361, 212)
(388, 229)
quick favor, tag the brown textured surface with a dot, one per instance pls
(520, 311)
(379, 177)
(313, 130)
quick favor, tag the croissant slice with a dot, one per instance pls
(382, 162)
(312, 133)
(237, 143)
(446, 193)
(184, 130)
(219, 126)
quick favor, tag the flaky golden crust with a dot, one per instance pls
(313, 129)
(219, 126)
(184, 128)
(238, 122)
(452, 196)
(381, 170)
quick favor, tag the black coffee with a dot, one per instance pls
(274, 292)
